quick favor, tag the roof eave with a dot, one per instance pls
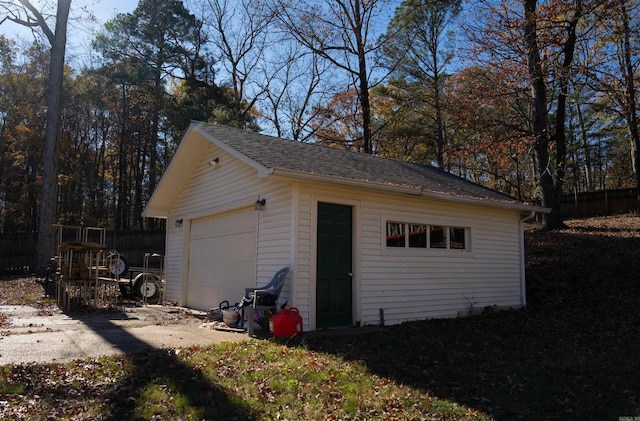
(262, 170)
(412, 190)
(155, 212)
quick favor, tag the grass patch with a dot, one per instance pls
(572, 354)
(251, 380)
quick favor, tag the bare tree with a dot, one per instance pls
(343, 32)
(26, 14)
(239, 29)
(616, 76)
(299, 81)
(628, 69)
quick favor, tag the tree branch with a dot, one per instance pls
(40, 21)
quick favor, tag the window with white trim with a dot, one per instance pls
(408, 235)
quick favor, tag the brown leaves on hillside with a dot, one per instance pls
(572, 354)
(593, 262)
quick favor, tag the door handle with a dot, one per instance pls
(350, 274)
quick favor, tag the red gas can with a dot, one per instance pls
(286, 323)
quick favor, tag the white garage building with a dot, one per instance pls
(363, 235)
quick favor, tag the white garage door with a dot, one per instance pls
(221, 259)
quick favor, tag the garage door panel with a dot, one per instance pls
(221, 259)
(212, 290)
(227, 225)
(238, 248)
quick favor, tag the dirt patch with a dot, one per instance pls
(22, 291)
(25, 291)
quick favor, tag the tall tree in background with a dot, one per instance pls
(490, 133)
(157, 42)
(539, 110)
(343, 32)
(533, 42)
(551, 179)
(628, 67)
(87, 150)
(615, 75)
(28, 15)
(401, 131)
(23, 97)
(239, 29)
(570, 18)
(421, 46)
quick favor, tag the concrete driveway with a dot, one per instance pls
(48, 335)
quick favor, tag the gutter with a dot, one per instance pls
(532, 215)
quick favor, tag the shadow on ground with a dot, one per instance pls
(129, 386)
(573, 354)
(158, 371)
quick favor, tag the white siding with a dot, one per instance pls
(410, 284)
(305, 273)
(275, 237)
(229, 186)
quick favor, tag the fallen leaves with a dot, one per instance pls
(23, 291)
(571, 354)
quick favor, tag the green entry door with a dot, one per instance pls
(334, 270)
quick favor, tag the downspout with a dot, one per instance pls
(523, 284)
(258, 212)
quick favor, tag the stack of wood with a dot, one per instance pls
(79, 260)
(83, 268)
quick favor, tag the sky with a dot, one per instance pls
(80, 31)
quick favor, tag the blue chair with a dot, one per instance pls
(265, 297)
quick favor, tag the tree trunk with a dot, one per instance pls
(138, 174)
(437, 103)
(123, 162)
(631, 103)
(46, 243)
(366, 113)
(364, 81)
(551, 184)
(549, 197)
(587, 149)
(153, 145)
(561, 112)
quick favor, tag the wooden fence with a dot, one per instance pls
(599, 203)
(17, 252)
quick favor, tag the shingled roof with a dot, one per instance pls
(312, 160)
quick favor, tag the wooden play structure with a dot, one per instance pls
(87, 270)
